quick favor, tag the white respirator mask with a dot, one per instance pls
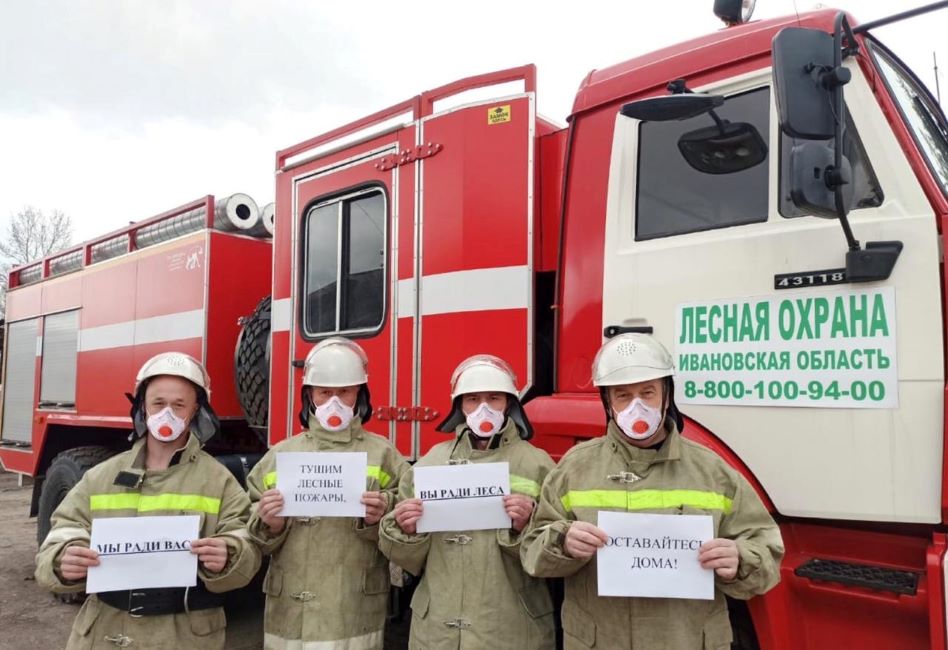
(334, 415)
(639, 421)
(485, 421)
(165, 425)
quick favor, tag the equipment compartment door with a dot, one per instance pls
(344, 212)
(19, 394)
(475, 255)
(831, 392)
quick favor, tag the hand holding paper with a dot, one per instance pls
(211, 552)
(518, 508)
(375, 505)
(407, 514)
(75, 562)
(721, 555)
(269, 508)
(583, 540)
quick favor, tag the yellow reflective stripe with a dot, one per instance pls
(147, 503)
(645, 499)
(524, 486)
(379, 474)
(372, 471)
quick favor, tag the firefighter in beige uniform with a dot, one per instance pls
(165, 473)
(643, 464)
(328, 585)
(473, 591)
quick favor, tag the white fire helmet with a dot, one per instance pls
(335, 362)
(483, 373)
(176, 364)
(629, 359)
(204, 423)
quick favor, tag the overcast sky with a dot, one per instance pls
(115, 110)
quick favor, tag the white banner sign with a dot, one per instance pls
(321, 484)
(143, 553)
(654, 556)
(463, 497)
(827, 349)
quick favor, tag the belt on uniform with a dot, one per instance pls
(168, 600)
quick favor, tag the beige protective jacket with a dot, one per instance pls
(194, 484)
(328, 585)
(473, 591)
(681, 477)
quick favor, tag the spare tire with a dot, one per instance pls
(252, 367)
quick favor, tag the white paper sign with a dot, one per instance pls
(463, 497)
(143, 553)
(322, 484)
(654, 556)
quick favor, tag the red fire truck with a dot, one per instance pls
(768, 200)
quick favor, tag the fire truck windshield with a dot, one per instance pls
(921, 113)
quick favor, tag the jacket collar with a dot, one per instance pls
(130, 475)
(508, 435)
(670, 449)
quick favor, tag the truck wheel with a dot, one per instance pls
(63, 473)
(252, 367)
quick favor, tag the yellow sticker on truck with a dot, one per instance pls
(498, 114)
(832, 349)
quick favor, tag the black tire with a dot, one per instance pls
(63, 473)
(252, 367)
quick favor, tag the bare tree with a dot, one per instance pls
(31, 235)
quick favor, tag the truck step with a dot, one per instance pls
(860, 575)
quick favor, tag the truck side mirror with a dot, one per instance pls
(814, 178)
(726, 148)
(806, 74)
(671, 107)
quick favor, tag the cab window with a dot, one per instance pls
(674, 197)
(344, 264)
(920, 111)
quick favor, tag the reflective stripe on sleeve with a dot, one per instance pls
(66, 534)
(645, 499)
(379, 474)
(147, 503)
(524, 486)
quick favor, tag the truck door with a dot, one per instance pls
(475, 259)
(338, 273)
(831, 392)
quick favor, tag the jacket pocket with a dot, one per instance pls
(87, 616)
(273, 583)
(207, 621)
(375, 580)
(421, 600)
(578, 624)
(536, 600)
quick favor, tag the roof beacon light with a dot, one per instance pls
(734, 12)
